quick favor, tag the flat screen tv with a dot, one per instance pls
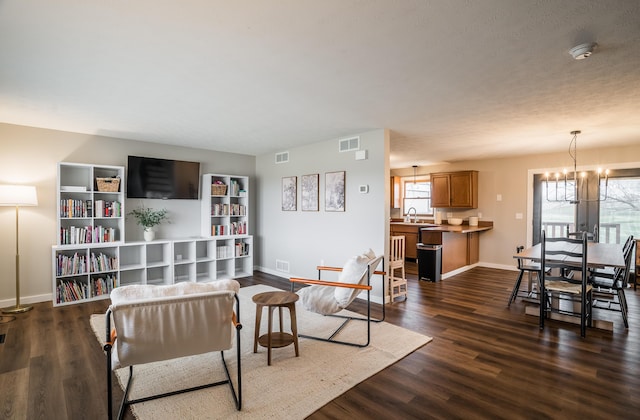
(162, 178)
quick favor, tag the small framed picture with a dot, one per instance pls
(289, 193)
(309, 198)
(334, 191)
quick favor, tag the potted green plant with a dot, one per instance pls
(148, 218)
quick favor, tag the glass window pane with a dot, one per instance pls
(620, 212)
(557, 216)
(422, 205)
(419, 189)
(417, 195)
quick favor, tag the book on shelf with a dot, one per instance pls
(68, 265)
(105, 208)
(104, 234)
(219, 209)
(103, 285)
(71, 290)
(102, 262)
(219, 230)
(238, 228)
(242, 249)
(71, 208)
(224, 252)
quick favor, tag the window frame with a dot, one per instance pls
(418, 179)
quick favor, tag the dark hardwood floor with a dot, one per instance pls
(485, 361)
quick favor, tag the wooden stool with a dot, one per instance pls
(273, 300)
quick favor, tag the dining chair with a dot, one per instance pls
(566, 287)
(525, 266)
(591, 236)
(397, 277)
(609, 285)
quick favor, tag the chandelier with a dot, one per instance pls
(564, 181)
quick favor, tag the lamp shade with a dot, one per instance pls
(18, 195)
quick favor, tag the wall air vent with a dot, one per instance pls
(282, 157)
(282, 266)
(347, 145)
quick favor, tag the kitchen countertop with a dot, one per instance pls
(464, 228)
(456, 229)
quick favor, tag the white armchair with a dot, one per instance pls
(329, 298)
(154, 323)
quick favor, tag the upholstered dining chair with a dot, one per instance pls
(329, 298)
(397, 277)
(147, 323)
(567, 286)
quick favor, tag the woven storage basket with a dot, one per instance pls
(218, 189)
(108, 184)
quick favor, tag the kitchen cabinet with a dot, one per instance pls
(454, 189)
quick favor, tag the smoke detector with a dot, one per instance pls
(582, 51)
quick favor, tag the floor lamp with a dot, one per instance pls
(17, 195)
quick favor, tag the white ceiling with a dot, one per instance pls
(451, 79)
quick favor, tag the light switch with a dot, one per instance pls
(499, 197)
(518, 216)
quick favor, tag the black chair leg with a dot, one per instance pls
(623, 307)
(516, 287)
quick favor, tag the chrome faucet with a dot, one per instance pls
(415, 214)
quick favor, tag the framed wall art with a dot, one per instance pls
(289, 193)
(309, 198)
(334, 191)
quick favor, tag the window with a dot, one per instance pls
(620, 212)
(615, 218)
(417, 195)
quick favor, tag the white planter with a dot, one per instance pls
(149, 234)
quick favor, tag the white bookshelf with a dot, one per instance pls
(85, 271)
(225, 216)
(86, 215)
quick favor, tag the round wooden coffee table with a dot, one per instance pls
(273, 339)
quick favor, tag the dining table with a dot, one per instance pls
(599, 256)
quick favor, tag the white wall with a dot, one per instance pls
(307, 239)
(30, 156)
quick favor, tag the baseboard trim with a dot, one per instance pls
(27, 300)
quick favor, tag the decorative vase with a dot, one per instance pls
(149, 234)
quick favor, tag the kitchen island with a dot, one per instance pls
(460, 244)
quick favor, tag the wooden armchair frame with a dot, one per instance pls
(367, 287)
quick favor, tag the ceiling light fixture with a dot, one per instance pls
(582, 51)
(563, 181)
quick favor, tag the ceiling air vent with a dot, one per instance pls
(347, 145)
(282, 157)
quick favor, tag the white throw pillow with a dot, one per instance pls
(352, 273)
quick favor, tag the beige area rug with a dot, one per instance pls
(292, 387)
